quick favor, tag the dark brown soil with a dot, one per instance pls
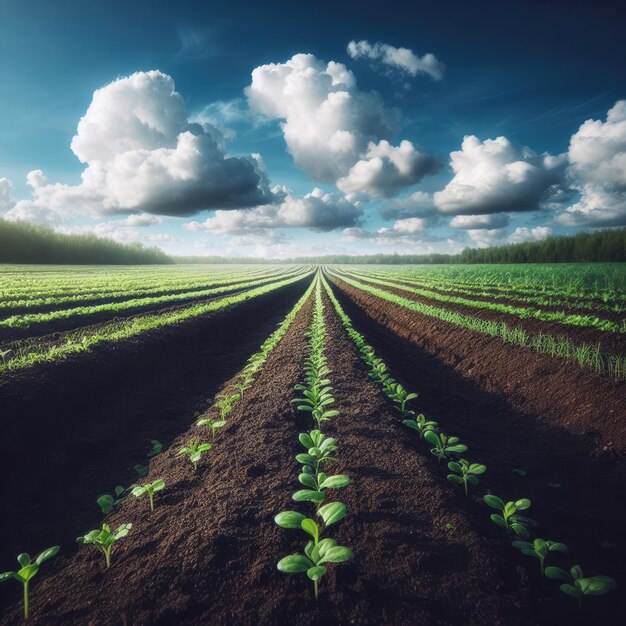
(610, 343)
(517, 409)
(73, 430)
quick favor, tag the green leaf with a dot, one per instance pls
(453, 478)
(499, 520)
(522, 504)
(432, 437)
(494, 502)
(335, 482)
(307, 480)
(289, 519)
(310, 526)
(294, 563)
(23, 559)
(315, 573)
(520, 531)
(327, 414)
(138, 491)
(455, 467)
(308, 495)
(332, 512)
(6, 576)
(305, 440)
(461, 447)
(337, 554)
(47, 554)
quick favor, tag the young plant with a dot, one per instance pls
(150, 489)
(194, 450)
(156, 448)
(315, 400)
(420, 424)
(465, 472)
(108, 502)
(242, 385)
(318, 551)
(577, 586)
(401, 396)
(104, 539)
(213, 424)
(443, 445)
(142, 470)
(540, 549)
(28, 568)
(225, 403)
(509, 519)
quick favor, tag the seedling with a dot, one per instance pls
(320, 450)
(243, 385)
(465, 473)
(104, 539)
(225, 403)
(194, 450)
(315, 400)
(540, 549)
(400, 395)
(141, 470)
(28, 569)
(213, 424)
(156, 448)
(318, 551)
(577, 586)
(509, 520)
(108, 502)
(150, 489)
(420, 424)
(443, 445)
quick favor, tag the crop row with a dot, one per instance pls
(33, 352)
(83, 313)
(104, 538)
(463, 473)
(321, 450)
(120, 290)
(585, 355)
(537, 299)
(559, 317)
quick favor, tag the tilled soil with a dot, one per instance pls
(609, 342)
(523, 413)
(74, 429)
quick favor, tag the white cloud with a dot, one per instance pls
(329, 125)
(385, 169)
(489, 237)
(408, 230)
(143, 155)
(523, 234)
(495, 176)
(6, 193)
(477, 222)
(597, 154)
(317, 210)
(401, 59)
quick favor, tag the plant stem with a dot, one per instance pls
(315, 588)
(26, 600)
(465, 483)
(107, 556)
(151, 501)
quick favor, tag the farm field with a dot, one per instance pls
(299, 444)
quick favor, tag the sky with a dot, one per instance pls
(281, 129)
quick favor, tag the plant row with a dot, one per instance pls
(104, 538)
(559, 317)
(320, 452)
(585, 355)
(450, 453)
(29, 353)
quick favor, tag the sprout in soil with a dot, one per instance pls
(194, 450)
(156, 448)
(577, 586)
(420, 424)
(108, 502)
(104, 539)
(540, 549)
(213, 424)
(28, 568)
(465, 472)
(150, 489)
(509, 520)
(443, 445)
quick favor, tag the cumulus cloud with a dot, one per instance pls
(318, 210)
(495, 176)
(400, 59)
(333, 130)
(597, 154)
(384, 169)
(407, 230)
(142, 154)
(6, 193)
(523, 234)
(489, 237)
(477, 222)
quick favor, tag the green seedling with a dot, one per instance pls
(156, 448)
(28, 569)
(509, 520)
(150, 489)
(4, 354)
(108, 502)
(318, 551)
(242, 386)
(319, 451)
(315, 400)
(577, 586)
(401, 396)
(443, 445)
(317, 483)
(420, 424)
(194, 450)
(141, 470)
(225, 403)
(540, 549)
(104, 539)
(465, 473)
(213, 424)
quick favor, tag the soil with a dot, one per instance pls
(570, 442)
(610, 343)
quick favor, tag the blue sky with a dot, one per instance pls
(352, 144)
